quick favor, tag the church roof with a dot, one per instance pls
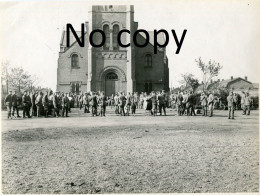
(160, 37)
(63, 41)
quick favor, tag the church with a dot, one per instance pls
(112, 68)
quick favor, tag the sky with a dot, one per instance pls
(225, 31)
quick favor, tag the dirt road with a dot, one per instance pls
(135, 154)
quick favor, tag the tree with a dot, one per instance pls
(209, 71)
(19, 78)
(4, 74)
(190, 81)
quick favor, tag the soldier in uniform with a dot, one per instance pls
(26, 101)
(65, 105)
(128, 103)
(162, 103)
(204, 102)
(122, 102)
(8, 103)
(154, 103)
(184, 101)
(191, 104)
(116, 101)
(56, 104)
(141, 101)
(85, 102)
(60, 96)
(38, 103)
(102, 103)
(45, 103)
(93, 103)
(80, 99)
(15, 105)
(32, 105)
(50, 103)
(211, 103)
(247, 103)
(243, 96)
(134, 102)
(231, 105)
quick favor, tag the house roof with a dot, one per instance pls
(225, 83)
(256, 85)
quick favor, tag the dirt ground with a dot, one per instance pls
(135, 154)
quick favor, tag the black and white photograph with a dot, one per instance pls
(119, 97)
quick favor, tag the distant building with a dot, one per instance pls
(237, 85)
(112, 68)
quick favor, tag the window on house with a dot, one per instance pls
(107, 34)
(115, 33)
(148, 87)
(75, 61)
(148, 60)
(75, 88)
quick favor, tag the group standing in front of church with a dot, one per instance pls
(36, 104)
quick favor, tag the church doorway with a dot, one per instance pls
(111, 83)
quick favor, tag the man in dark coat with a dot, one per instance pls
(231, 105)
(45, 103)
(8, 103)
(122, 102)
(162, 102)
(56, 104)
(93, 103)
(32, 104)
(85, 102)
(103, 103)
(26, 101)
(191, 102)
(15, 104)
(65, 105)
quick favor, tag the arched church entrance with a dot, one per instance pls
(111, 83)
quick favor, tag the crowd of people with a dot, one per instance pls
(37, 104)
